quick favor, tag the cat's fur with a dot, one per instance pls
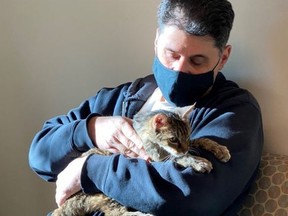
(165, 136)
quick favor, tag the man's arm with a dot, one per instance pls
(61, 140)
(163, 189)
(66, 137)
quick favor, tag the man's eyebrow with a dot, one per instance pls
(170, 49)
(199, 56)
(191, 57)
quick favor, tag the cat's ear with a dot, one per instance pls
(185, 116)
(159, 121)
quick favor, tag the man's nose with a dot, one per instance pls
(180, 65)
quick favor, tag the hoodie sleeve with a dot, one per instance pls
(65, 137)
(162, 188)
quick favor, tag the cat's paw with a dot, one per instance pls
(202, 165)
(199, 164)
(222, 153)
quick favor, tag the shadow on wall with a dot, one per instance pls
(259, 63)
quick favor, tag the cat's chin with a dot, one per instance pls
(178, 155)
(174, 153)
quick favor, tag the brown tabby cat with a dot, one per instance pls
(165, 136)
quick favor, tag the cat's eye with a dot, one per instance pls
(173, 140)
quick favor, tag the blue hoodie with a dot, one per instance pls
(228, 115)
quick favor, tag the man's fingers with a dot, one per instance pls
(117, 133)
(132, 136)
(59, 200)
(133, 142)
(68, 181)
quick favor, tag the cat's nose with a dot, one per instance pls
(185, 149)
(183, 152)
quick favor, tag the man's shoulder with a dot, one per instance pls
(231, 90)
(142, 87)
(228, 92)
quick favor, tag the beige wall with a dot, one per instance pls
(53, 54)
(259, 63)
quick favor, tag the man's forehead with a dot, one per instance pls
(178, 41)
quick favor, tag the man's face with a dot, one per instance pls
(180, 51)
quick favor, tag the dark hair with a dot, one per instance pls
(199, 17)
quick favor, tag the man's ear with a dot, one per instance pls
(225, 56)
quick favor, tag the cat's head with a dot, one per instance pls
(171, 132)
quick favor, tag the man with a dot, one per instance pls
(190, 50)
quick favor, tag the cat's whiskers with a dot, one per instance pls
(167, 158)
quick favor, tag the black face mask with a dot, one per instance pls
(179, 88)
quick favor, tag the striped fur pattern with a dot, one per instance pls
(165, 136)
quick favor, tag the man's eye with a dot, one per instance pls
(172, 55)
(197, 61)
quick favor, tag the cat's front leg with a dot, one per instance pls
(221, 152)
(199, 164)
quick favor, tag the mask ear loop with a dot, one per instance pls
(213, 78)
(216, 64)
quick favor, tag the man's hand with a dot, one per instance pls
(117, 135)
(68, 181)
(114, 134)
